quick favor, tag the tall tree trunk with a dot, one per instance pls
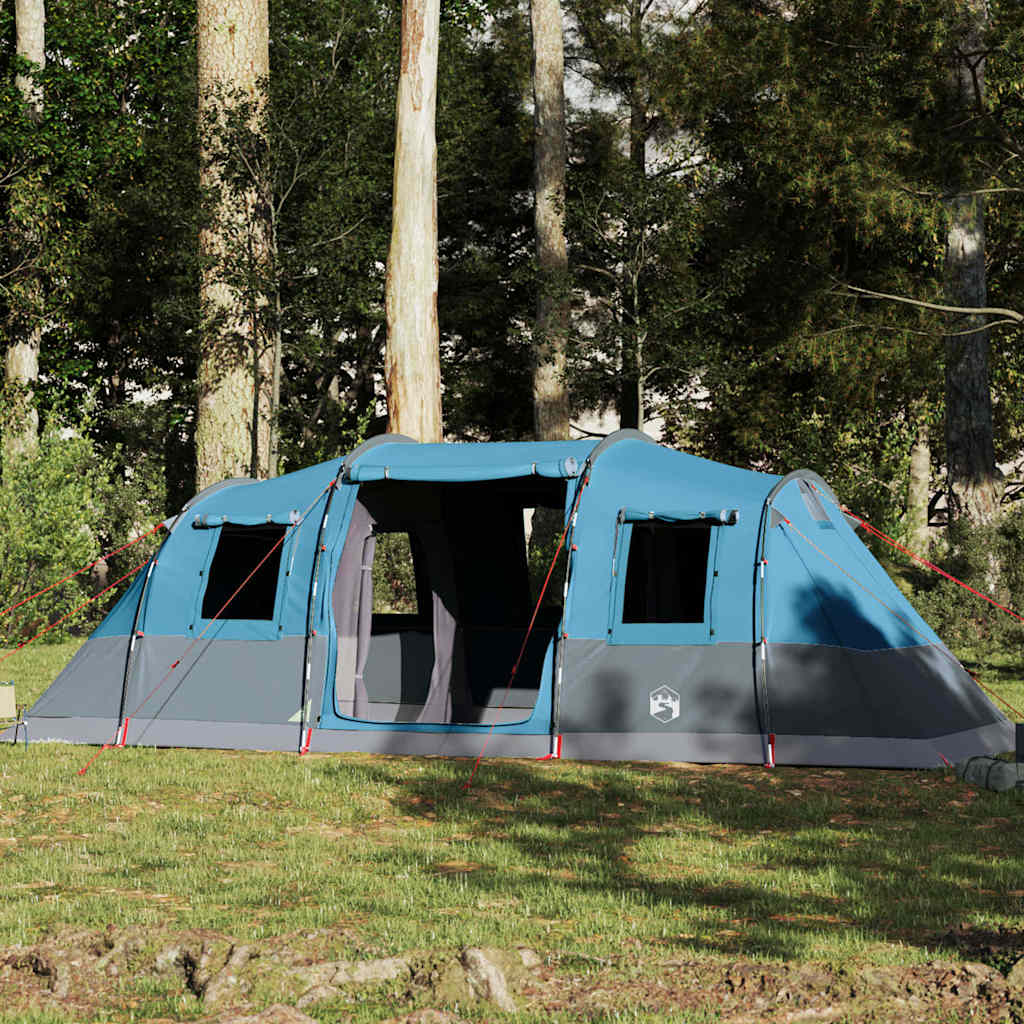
(412, 362)
(550, 390)
(918, 490)
(975, 483)
(631, 402)
(237, 358)
(21, 365)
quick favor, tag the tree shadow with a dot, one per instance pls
(812, 854)
(771, 862)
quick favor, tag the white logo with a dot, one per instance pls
(664, 704)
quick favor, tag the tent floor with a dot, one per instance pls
(702, 748)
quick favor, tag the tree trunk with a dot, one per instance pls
(918, 491)
(550, 390)
(21, 365)
(631, 402)
(412, 363)
(237, 357)
(975, 483)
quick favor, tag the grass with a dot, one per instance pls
(592, 862)
(583, 858)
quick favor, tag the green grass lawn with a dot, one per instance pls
(786, 863)
(584, 859)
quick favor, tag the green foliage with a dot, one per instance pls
(825, 156)
(989, 560)
(394, 575)
(58, 512)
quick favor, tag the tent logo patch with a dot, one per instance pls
(664, 704)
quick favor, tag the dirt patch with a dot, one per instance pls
(743, 992)
(998, 947)
(150, 975)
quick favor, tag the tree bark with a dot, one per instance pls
(237, 357)
(21, 364)
(918, 491)
(412, 362)
(975, 484)
(631, 390)
(550, 389)
(30, 29)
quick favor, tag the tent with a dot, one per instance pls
(708, 614)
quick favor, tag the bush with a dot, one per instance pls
(58, 511)
(990, 559)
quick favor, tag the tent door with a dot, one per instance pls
(431, 603)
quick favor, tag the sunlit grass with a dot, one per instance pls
(790, 863)
(587, 860)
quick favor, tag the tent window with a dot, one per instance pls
(398, 589)
(666, 573)
(240, 549)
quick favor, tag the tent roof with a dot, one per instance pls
(400, 459)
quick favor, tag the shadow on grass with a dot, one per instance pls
(812, 855)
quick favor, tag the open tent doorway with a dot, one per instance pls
(433, 598)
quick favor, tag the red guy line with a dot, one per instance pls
(942, 572)
(25, 643)
(85, 568)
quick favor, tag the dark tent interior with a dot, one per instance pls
(433, 598)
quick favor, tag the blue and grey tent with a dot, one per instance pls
(707, 614)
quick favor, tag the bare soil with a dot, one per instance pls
(122, 974)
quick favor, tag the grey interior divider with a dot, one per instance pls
(447, 683)
(349, 600)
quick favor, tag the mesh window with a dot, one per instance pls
(666, 573)
(397, 586)
(239, 550)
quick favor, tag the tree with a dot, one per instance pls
(239, 357)
(21, 430)
(975, 484)
(820, 183)
(631, 202)
(551, 328)
(412, 367)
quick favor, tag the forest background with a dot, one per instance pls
(759, 204)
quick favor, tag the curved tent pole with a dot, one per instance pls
(583, 481)
(761, 634)
(357, 453)
(305, 730)
(769, 519)
(625, 434)
(803, 474)
(307, 663)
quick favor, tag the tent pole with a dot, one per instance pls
(305, 729)
(761, 637)
(136, 620)
(556, 700)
